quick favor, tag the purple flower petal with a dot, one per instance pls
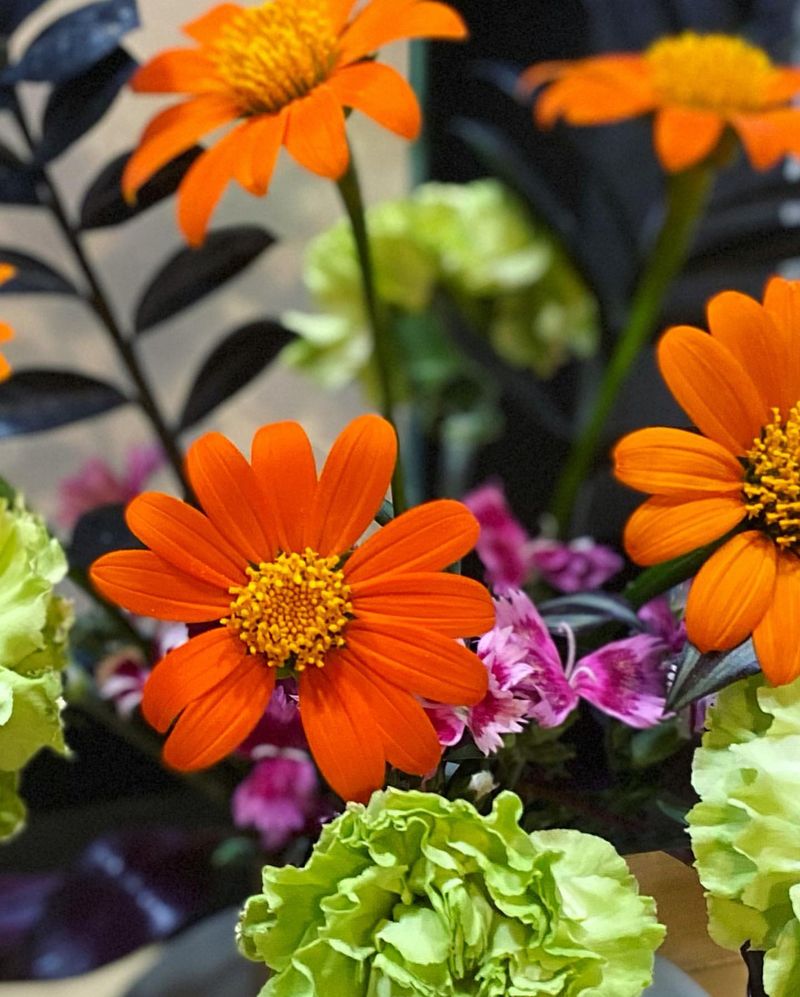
(279, 797)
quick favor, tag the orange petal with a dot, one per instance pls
(6, 332)
(340, 11)
(409, 739)
(731, 592)
(173, 132)
(260, 154)
(188, 672)
(785, 83)
(419, 661)
(206, 180)
(675, 462)
(769, 136)
(228, 491)
(214, 725)
(777, 636)
(684, 136)
(663, 528)
(5, 366)
(315, 133)
(352, 485)
(782, 303)
(284, 466)
(185, 538)
(381, 93)
(596, 96)
(385, 21)
(143, 583)
(748, 331)
(341, 734)
(449, 604)
(206, 28)
(711, 387)
(178, 70)
(624, 67)
(428, 537)
(7, 272)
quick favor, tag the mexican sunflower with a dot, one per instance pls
(740, 386)
(7, 272)
(284, 71)
(269, 566)
(697, 86)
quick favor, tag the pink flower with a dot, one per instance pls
(280, 798)
(576, 566)
(120, 679)
(96, 484)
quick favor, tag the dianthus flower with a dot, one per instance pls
(284, 71)
(740, 386)
(270, 566)
(696, 85)
(7, 272)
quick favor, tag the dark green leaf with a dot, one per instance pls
(35, 400)
(33, 276)
(698, 675)
(76, 41)
(18, 180)
(98, 532)
(75, 106)
(103, 203)
(192, 273)
(588, 609)
(14, 12)
(242, 355)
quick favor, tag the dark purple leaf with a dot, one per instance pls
(33, 276)
(75, 106)
(23, 898)
(34, 400)
(103, 203)
(697, 675)
(14, 12)
(98, 532)
(581, 610)
(193, 273)
(18, 180)
(75, 42)
(242, 355)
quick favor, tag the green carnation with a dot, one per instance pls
(33, 630)
(744, 830)
(418, 896)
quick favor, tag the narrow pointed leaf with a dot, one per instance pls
(103, 203)
(35, 400)
(18, 180)
(588, 609)
(698, 675)
(33, 276)
(98, 532)
(241, 356)
(193, 273)
(14, 12)
(75, 106)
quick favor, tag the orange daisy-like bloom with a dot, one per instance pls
(270, 566)
(740, 386)
(284, 70)
(6, 332)
(697, 85)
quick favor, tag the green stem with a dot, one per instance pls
(687, 195)
(350, 192)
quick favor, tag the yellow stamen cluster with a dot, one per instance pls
(710, 72)
(293, 610)
(274, 54)
(772, 479)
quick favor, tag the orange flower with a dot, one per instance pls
(284, 70)
(697, 85)
(741, 387)
(269, 566)
(7, 272)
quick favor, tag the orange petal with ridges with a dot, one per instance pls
(382, 94)
(666, 461)
(206, 28)
(777, 636)
(419, 661)
(341, 734)
(214, 725)
(352, 485)
(143, 583)
(449, 604)
(315, 133)
(228, 491)
(384, 21)
(189, 672)
(179, 70)
(684, 136)
(286, 472)
(185, 538)
(770, 136)
(665, 527)
(731, 592)
(782, 303)
(259, 156)
(592, 99)
(711, 387)
(428, 537)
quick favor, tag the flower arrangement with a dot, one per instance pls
(422, 666)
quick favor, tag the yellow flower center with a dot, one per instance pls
(293, 610)
(772, 479)
(710, 72)
(275, 53)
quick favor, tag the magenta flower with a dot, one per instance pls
(96, 484)
(120, 679)
(280, 798)
(576, 566)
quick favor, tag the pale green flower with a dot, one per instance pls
(418, 896)
(744, 830)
